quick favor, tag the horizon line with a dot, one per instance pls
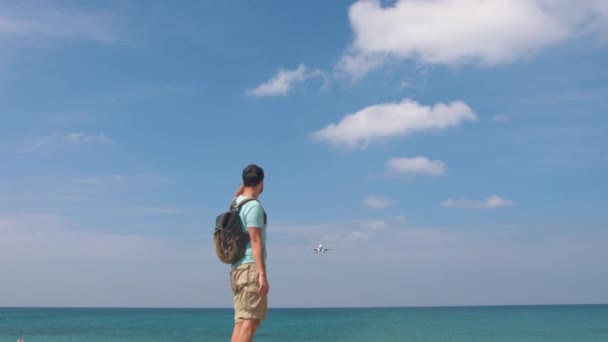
(304, 307)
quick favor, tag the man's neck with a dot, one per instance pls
(250, 192)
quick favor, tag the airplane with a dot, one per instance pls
(321, 249)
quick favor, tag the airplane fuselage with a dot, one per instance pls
(321, 249)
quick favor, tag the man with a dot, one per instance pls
(248, 278)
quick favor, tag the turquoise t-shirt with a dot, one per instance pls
(252, 215)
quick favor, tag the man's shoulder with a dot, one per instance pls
(251, 203)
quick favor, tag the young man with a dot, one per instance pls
(248, 278)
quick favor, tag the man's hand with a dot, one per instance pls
(239, 191)
(257, 249)
(264, 286)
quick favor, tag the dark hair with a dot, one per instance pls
(252, 175)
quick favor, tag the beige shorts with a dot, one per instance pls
(247, 303)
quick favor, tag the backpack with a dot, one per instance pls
(229, 238)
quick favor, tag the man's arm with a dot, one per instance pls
(239, 191)
(257, 248)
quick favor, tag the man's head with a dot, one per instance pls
(253, 177)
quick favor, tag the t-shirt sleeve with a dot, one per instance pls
(254, 215)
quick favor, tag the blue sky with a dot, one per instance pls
(452, 152)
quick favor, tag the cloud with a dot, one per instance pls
(373, 224)
(81, 137)
(393, 119)
(99, 195)
(491, 202)
(358, 65)
(417, 165)
(124, 269)
(147, 180)
(42, 252)
(359, 235)
(88, 181)
(367, 228)
(377, 202)
(486, 32)
(334, 232)
(498, 258)
(281, 83)
(27, 22)
(501, 119)
(34, 144)
(148, 211)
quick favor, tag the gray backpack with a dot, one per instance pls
(229, 238)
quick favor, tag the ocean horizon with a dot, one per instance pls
(299, 307)
(551, 322)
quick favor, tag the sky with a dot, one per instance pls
(451, 152)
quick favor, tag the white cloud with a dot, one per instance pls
(367, 228)
(34, 144)
(417, 165)
(333, 233)
(283, 82)
(377, 202)
(498, 257)
(373, 224)
(40, 22)
(41, 251)
(358, 64)
(150, 211)
(137, 179)
(393, 119)
(88, 181)
(400, 219)
(360, 235)
(491, 202)
(501, 119)
(81, 137)
(464, 31)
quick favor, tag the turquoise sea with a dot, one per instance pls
(470, 324)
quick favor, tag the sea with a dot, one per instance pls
(425, 324)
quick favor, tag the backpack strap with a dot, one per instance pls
(241, 203)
